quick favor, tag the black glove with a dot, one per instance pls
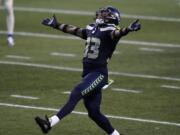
(134, 26)
(52, 22)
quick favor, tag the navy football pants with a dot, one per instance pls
(89, 89)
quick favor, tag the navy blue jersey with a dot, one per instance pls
(99, 47)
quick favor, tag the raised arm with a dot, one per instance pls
(134, 26)
(66, 28)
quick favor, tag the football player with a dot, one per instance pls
(101, 38)
(9, 21)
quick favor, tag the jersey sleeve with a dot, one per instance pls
(86, 30)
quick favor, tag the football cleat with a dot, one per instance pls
(10, 41)
(44, 124)
(110, 81)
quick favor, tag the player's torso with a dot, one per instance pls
(99, 46)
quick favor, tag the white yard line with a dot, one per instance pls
(117, 52)
(42, 35)
(139, 43)
(63, 54)
(126, 90)
(86, 13)
(85, 113)
(17, 57)
(154, 18)
(143, 43)
(170, 86)
(25, 97)
(80, 70)
(66, 92)
(151, 49)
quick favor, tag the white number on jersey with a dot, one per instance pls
(92, 48)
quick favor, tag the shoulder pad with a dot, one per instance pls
(90, 26)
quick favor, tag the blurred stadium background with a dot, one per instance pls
(37, 74)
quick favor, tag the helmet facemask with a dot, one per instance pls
(108, 15)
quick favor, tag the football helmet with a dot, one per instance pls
(109, 15)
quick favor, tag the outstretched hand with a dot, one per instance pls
(52, 22)
(134, 26)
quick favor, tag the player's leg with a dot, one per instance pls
(9, 21)
(85, 87)
(47, 123)
(92, 104)
(74, 98)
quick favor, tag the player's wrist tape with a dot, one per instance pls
(62, 27)
(75, 31)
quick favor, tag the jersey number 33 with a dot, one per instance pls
(92, 48)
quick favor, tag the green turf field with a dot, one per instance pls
(146, 63)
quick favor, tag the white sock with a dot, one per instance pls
(54, 120)
(115, 133)
(10, 19)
